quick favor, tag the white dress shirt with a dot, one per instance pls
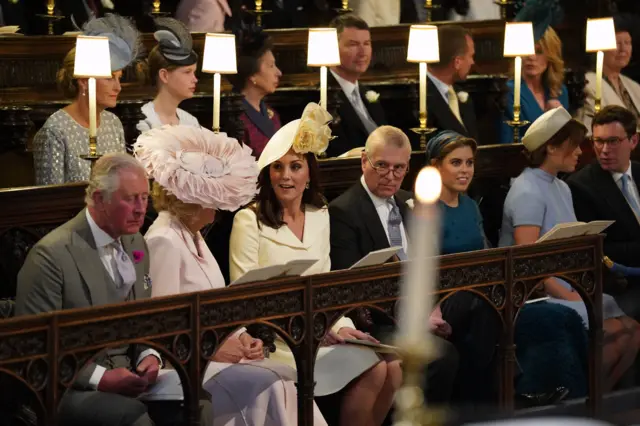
(384, 209)
(617, 177)
(356, 101)
(107, 256)
(443, 88)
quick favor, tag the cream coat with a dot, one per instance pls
(256, 247)
(609, 97)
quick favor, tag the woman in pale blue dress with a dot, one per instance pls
(537, 201)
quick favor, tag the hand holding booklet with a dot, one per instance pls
(292, 268)
(575, 229)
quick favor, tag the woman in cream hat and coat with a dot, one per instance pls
(290, 220)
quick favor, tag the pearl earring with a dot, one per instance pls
(306, 186)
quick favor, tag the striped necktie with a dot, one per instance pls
(626, 191)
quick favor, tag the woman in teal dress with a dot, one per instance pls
(537, 201)
(539, 339)
(542, 85)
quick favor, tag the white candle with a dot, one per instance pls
(517, 81)
(423, 90)
(420, 281)
(92, 107)
(216, 102)
(323, 87)
(599, 65)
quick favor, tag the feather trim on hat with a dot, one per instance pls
(542, 14)
(199, 166)
(175, 41)
(125, 43)
(251, 39)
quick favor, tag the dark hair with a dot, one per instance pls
(616, 114)
(452, 41)
(348, 20)
(253, 44)
(458, 142)
(573, 130)
(623, 24)
(149, 70)
(267, 207)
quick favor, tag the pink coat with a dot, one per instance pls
(203, 15)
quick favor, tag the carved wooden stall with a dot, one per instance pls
(28, 92)
(45, 352)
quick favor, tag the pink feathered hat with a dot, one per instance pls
(198, 166)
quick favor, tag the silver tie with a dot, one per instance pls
(393, 226)
(362, 112)
(125, 271)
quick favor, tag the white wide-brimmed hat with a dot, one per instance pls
(546, 126)
(199, 166)
(310, 133)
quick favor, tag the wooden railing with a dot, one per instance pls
(45, 352)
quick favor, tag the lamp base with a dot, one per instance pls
(159, 14)
(423, 132)
(258, 14)
(503, 7)
(342, 11)
(515, 125)
(411, 409)
(51, 19)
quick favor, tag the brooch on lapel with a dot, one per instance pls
(270, 113)
(138, 255)
(147, 282)
(463, 97)
(410, 203)
(372, 96)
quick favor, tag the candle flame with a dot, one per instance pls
(428, 185)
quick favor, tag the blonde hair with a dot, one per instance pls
(387, 136)
(104, 175)
(163, 201)
(553, 77)
(65, 80)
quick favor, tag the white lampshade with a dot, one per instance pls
(601, 35)
(423, 44)
(322, 49)
(219, 54)
(92, 57)
(518, 39)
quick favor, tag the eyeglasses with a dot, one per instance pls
(613, 142)
(383, 169)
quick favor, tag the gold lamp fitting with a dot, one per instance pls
(516, 123)
(258, 12)
(428, 4)
(423, 130)
(50, 16)
(93, 151)
(504, 4)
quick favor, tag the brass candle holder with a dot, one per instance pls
(423, 130)
(516, 123)
(93, 151)
(411, 409)
(428, 4)
(345, 8)
(50, 16)
(258, 12)
(155, 11)
(504, 5)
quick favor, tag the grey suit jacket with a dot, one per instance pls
(64, 271)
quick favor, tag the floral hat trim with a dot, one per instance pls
(313, 133)
(199, 166)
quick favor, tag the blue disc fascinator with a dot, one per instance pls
(542, 13)
(125, 44)
(175, 42)
(439, 141)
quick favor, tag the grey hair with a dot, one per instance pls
(387, 136)
(105, 174)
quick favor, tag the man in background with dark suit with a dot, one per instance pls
(359, 112)
(608, 190)
(448, 107)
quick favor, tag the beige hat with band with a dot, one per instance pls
(546, 126)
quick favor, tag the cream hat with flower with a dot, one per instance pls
(310, 133)
(199, 166)
(546, 126)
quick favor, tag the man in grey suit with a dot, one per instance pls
(98, 258)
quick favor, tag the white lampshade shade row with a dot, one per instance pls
(518, 39)
(423, 44)
(601, 35)
(219, 54)
(92, 57)
(322, 48)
